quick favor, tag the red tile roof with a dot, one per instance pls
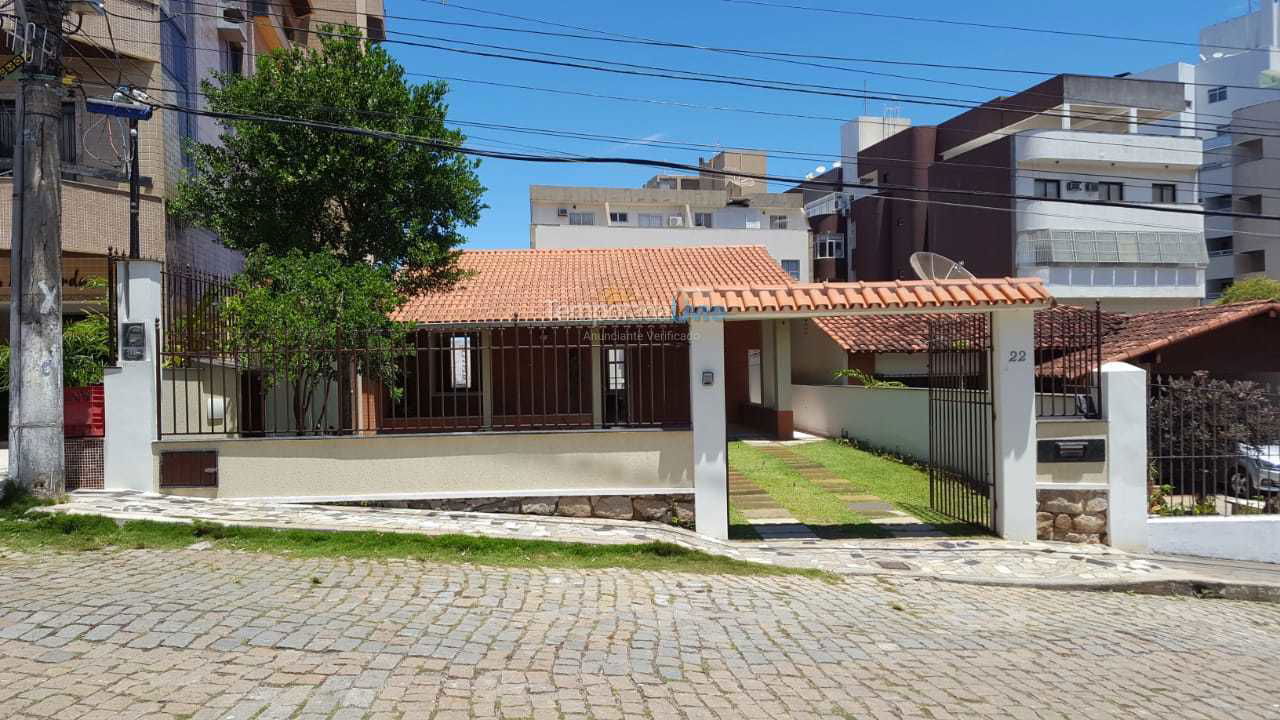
(588, 285)
(898, 295)
(1141, 333)
(910, 333)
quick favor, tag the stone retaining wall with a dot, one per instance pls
(669, 509)
(1078, 516)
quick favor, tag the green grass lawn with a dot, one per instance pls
(822, 511)
(906, 486)
(45, 532)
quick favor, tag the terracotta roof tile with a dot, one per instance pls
(584, 285)
(910, 333)
(1141, 333)
(909, 295)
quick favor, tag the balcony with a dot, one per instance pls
(1048, 147)
(95, 218)
(828, 204)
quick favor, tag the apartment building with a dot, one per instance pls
(1003, 167)
(828, 201)
(1241, 247)
(166, 48)
(596, 217)
(1237, 77)
(725, 204)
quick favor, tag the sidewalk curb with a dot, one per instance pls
(1193, 587)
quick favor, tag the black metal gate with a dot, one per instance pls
(961, 419)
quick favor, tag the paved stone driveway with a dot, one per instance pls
(213, 634)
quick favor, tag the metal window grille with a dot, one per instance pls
(1068, 362)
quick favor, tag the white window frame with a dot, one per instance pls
(460, 377)
(777, 222)
(582, 218)
(703, 219)
(795, 274)
(615, 369)
(1217, 94)
(618, 218)
(651, 220)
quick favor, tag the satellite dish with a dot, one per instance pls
(932, 266)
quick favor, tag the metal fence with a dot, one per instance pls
(1213, 447)
(438, 379)
(1068, 362)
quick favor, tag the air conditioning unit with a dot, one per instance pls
(1091, 187)
(1073, 185)
(562, 212)
(675, 221)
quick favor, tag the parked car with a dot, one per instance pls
(1257, 471)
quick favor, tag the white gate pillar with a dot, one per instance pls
(129, 389)
(1124, 399)
(1013, 400)
(707, 414)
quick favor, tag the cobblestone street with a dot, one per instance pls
(213, 634)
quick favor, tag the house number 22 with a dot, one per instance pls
(1017, 356)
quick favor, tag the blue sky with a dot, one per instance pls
(505, 222)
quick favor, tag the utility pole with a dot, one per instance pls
(35, 332)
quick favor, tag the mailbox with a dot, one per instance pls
(133, 341)
(1071, 450)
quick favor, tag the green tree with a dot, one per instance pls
(307, 320)
(1259, 287)
(282, 187)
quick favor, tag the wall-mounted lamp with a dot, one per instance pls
(708, 378)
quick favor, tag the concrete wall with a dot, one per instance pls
(457, 465)
(815, 357)
(896, 420)
(1240, 537)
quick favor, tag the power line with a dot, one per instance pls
(563, 60)
(824, 156)
(649, 162)
(985, 26)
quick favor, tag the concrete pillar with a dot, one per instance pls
(130, 390)
(1013, 401)
(597, 381)
(782, 360)
(768, 365)
(1133, 120)
(486, 378)
(706, 412)
(1124, 399)
(1065, 110)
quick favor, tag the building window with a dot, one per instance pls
(792, 267)
(1217, 202)
(233, 58)
(755, 377)
(617, 217)
(1111, 192)
(651, 220)
(1217, 94)
(582, 218)
(377, 28)
(828, 246)
(66, 141)
(1048, 189)
(702, 219)
(777, 222)
(616, 369)
(460, 362)
(1164, 193)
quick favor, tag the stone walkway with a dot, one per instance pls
(877, 510)
(767, 518)
(217, 635)
(990, 561)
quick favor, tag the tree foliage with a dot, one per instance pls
(1259, 287)
(284, 187)
(307, 321)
